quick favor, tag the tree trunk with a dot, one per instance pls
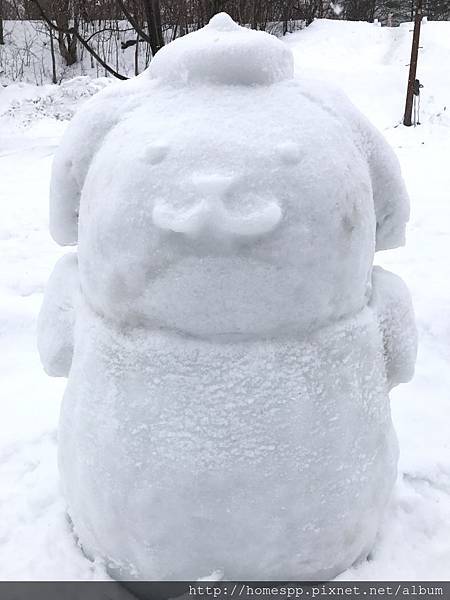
(136, 57)
(52, 52)
(67, 42)
(2, 40)
(153, 16)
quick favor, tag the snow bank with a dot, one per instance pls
(24, 105)
(370, 62)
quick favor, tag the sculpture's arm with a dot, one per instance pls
(56, 320)
(391, 301)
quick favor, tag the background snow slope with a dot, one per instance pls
(370, 64)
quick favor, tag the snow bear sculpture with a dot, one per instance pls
(229, 346)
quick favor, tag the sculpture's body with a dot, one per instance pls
(227, 405)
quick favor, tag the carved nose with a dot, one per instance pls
(212, 186)
(210, 216)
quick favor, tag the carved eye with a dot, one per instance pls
(155, 153)
(289, 152)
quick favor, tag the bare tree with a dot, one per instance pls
(73, 31)
(151, 10)
(52, 53)
(67, 36)
(153, 13)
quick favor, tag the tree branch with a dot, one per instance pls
(98, 58)
(113, 29)
(74, 31)
(133, 22)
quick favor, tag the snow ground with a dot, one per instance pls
(370, 64)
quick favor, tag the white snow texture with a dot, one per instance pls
(227, 403)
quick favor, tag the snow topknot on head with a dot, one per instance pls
(222, 22)
(223, 53)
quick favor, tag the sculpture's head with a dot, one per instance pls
(227, 202)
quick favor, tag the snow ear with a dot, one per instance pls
(56, 322)
(81, 141)
(390, 196)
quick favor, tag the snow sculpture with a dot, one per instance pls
(227, 402)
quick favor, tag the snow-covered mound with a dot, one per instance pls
(23, 105)
(232, 349)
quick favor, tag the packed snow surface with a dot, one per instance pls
(227, 331)
(223, 52)
(225, 233)
(413, 543)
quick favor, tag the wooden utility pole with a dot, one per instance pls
(413, 65)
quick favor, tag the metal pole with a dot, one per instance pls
(413, 65)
